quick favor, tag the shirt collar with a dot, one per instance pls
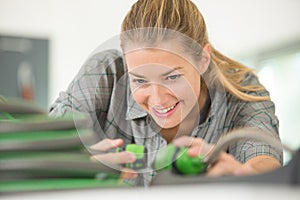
(218, 101)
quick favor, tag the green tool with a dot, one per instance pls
(176, 159)
(140, 153)
(171, 158)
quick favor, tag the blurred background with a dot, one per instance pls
(43, 44)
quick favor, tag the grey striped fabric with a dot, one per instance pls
(101, 89)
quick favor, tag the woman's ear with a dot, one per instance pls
(205, 60)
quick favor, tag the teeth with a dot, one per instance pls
(165, 110)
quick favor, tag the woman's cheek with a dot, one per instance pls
(140, 97)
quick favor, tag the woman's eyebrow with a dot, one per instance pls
(164, 74)
(172, 70)
(139, 76)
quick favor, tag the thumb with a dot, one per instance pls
(106, 144)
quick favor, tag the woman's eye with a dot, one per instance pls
(173, 77)
(139, 81)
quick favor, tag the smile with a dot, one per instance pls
(162, 112)
(165, 110)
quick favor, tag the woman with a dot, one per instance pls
(169, 85)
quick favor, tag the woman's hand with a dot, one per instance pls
(114, 158)
(226, 164)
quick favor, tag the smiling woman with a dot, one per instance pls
(166, 91)
(169, 85)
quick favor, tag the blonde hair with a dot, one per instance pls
(184, 17)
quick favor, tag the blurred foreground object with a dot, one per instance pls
(38, 152)
(180, 169)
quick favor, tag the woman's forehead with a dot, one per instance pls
(161, 63)
(156, 56)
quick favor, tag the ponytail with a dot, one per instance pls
(231, 73)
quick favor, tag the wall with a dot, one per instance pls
(76, 28)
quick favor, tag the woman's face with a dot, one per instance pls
(164, 84)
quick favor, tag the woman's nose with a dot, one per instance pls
(157, 94)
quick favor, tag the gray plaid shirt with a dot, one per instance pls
(101, 89)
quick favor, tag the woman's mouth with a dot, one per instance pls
(165, 112)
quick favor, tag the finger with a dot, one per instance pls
(128, 174)
(225, 165)
(203, 149)
(115, 158)
(218, 169)
(107, 144)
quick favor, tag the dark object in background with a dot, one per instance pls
(24, 68)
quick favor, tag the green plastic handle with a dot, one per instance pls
(141, 155)
(189, 165)
(176, 158)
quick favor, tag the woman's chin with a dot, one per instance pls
(167, 125)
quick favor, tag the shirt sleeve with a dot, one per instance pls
(90, 90)
(260, 115)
